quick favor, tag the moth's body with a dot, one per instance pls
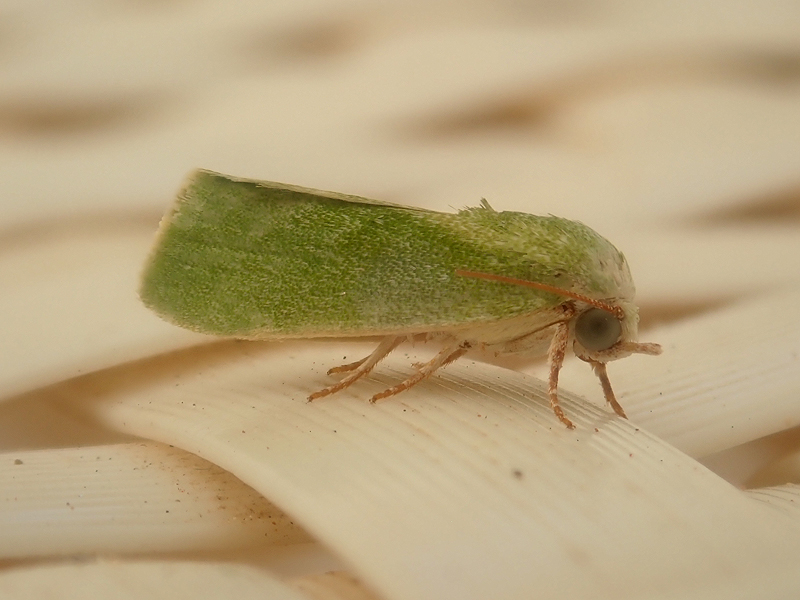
(260, 260)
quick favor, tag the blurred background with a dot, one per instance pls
(673, 129)
(627, 115)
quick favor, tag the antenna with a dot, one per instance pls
(614, 310)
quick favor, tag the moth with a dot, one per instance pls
(269, 261)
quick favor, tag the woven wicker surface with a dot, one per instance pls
(175, 464)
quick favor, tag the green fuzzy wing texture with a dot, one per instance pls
(263, 260)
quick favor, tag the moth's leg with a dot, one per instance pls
(555, 358)
(348, 367)
(361, 368)
(600, 370)
(446, 356)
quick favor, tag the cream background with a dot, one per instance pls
(143, 461)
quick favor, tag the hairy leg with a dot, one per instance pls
(555, 358)
(600, 370)
(445, 356)
(359, 368)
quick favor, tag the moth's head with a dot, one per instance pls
(607, 331)
(602, 330)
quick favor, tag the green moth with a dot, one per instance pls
(262, 260)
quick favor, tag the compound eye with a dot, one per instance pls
(597, 329)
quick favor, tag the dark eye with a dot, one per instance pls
(597, 329)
